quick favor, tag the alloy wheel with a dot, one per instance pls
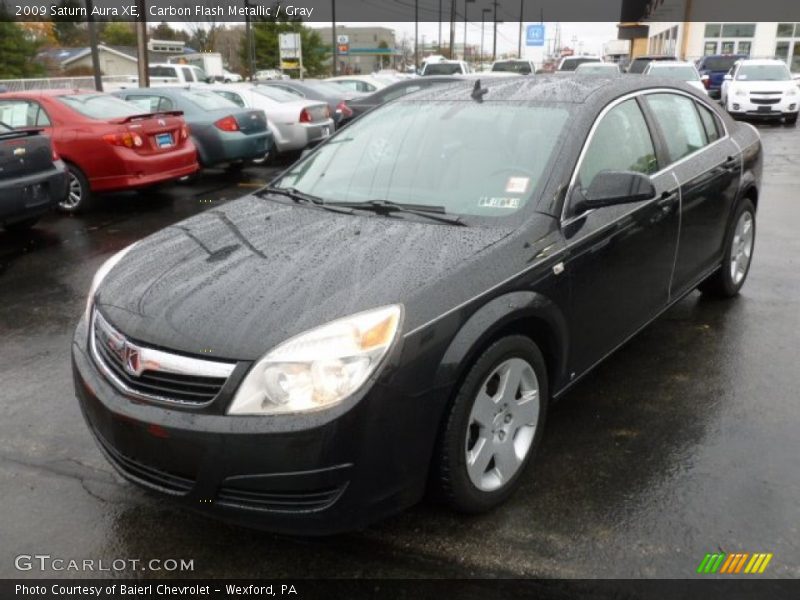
(742, 247)
(75, 194)
(502, 424)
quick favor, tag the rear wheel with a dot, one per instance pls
(493, 427)
(79, 196)
(730, 277)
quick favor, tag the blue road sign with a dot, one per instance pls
(534, 35)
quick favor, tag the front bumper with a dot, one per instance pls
(315, 474)
(779, 107)
(32, 195)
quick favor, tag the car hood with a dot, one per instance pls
(765, 86)
(235, 281)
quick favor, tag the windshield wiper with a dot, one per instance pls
(386, 207)
(301, 197)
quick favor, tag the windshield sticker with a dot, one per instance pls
(498, 202)
(517, 185)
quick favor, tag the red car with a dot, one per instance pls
(106, 143)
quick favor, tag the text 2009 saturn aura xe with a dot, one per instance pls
(395, 312)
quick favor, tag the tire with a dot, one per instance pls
(79, 195)
(236, 167)
(727, 281)
(791, 121)
(22, 225)
(507, 440)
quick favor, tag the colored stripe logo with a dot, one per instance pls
(735, 563)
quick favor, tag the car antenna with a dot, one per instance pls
(478, 92)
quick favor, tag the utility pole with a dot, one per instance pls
(141, 44)
(484, 12)
(466, 5)
(521, 18)
(452, 52)
(416, 35)
(440, 25)
(494, 33)
(98, 77)
(248, 41)
(334, 38)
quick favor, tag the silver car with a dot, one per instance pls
(295, 123)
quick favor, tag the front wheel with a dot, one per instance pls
(791, 120)
(493, 427)
(730, 277)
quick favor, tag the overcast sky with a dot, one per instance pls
(587, 37)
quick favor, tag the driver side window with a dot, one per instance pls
(621, 142)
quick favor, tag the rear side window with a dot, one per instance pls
(23, 114)
(710, 123)
(621, 142)
(188, 74)
(679, 122)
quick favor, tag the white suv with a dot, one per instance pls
(761, 88)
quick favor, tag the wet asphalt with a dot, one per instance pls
(686, 441)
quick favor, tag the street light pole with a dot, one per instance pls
(484, 12)
(416, 35)
(334, 37)
(452, 29)
(466, 5)
(521, 17)
(494, 33)
(141, 44)
(440, 25)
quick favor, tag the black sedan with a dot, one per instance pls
(33, 179)
(396, 311)
(355, 107)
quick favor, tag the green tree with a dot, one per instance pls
(68, 31)
(17, 51)
(163, 31)
(265, 39)
(118, 34)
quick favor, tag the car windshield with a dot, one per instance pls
(719, 63)
(679, 72)
(763, 73)
(468, 158)
(208, 100)
(274, 93)
(442, 69)
(512, 66)
(100, 106)
(571, 64)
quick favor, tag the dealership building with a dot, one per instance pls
(691, 40)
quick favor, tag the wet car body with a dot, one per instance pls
(244, 136)
(32, 178)
(316, 89)
(234, 282)
(92, 144)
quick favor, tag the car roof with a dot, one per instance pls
(762, 61)
(671, 63)
(558, 90)
(49, 93)
(655, 57)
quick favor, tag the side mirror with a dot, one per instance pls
(609, 188)
(728, 77)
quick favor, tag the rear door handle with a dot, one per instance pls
(731, 163)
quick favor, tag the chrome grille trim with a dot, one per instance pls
(152, 367)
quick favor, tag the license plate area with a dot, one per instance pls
(164, 140)
(325, 131)
(765, 108)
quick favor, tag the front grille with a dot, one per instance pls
(278, 501)
(145, 475)
(778, 93)
(765, 100)
(154, 374)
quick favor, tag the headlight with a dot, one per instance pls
(792, 91)
(739, 92)
(319, 368)
(101, 274)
